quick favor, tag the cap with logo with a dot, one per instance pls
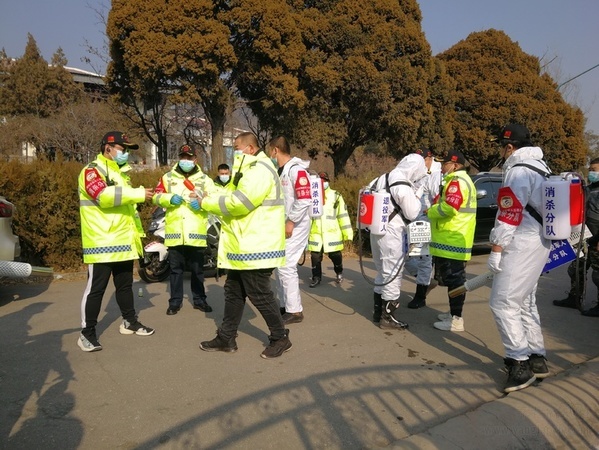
(455, 156)
(118, 138)
(424, 152)
(186, 150)
(513, 132)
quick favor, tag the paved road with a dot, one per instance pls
(345, 384)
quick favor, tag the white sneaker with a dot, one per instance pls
(455, 324)
(444, 316)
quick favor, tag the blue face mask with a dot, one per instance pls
(275, 163)
(593, 177)
(186, 165)
(121, 157)
(237, 153)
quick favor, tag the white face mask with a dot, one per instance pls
(224, 178)
(325, 184)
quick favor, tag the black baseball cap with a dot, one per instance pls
(513, 132)
(455, 156)
(187, 150)
(118, 138)
(424, 152)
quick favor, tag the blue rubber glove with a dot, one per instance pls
(176, 200)
(195, 204)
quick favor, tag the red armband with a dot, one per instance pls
(510, 208)
(160, 189)
(94, 183)
(453, 195)
(302, 185)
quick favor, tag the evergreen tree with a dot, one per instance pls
(497, 84)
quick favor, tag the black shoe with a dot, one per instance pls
(389, 322)
(282, 310)
(378, 308)
(417, 303)
(88, 342)
(218, 344)
(419, 300)
(569, 302)
(538, 366)
(292, 318)
(519, 375)
(278, 347)
(315, 282)
(593, 312)
(203, 306)
(172, 311)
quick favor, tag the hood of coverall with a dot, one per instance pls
(412, 168)
(522, 154)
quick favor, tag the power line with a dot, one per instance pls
(573, 78)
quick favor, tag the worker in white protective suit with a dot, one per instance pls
(518, 254)
(421, 266)
(296, 189)
(389, 250)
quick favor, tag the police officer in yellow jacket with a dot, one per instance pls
(110, 237)
(185, 227)
(453, 219)
(251, 245)
(328, 232)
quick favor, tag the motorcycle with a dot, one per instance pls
(155, 267)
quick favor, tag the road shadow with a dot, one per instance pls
(35, 403)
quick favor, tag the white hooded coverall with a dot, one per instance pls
(296, 188)
(525, 252)
(389, 250)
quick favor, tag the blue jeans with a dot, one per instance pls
(255, 285)
(194, 256)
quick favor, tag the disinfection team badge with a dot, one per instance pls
(303, 181)
(506, 202)
(90, 175)
(452, 189)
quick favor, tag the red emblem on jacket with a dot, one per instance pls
(302, 185)
(453, 195)
(510, 208)
(94, 184)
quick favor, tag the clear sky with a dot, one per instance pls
(566, 32)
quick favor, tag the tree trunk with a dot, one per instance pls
(340, 155)
(217, 153)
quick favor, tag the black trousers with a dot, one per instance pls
(336, 257)
(255, 285)
(98, 276)
(194, 256)
(452, 273)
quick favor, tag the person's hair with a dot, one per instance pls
(281, 143)
(223, 166)
(248, 138)
(516, 143)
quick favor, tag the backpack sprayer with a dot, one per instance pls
(562, 219)
(375, 211)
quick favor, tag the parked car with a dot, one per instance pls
(9, 243)
(487, 186)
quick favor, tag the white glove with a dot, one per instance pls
(493, 262)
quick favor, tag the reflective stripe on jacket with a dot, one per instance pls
(183, 224)
(453, 229)
(253, 216)
(330, 230)
(108, 229)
